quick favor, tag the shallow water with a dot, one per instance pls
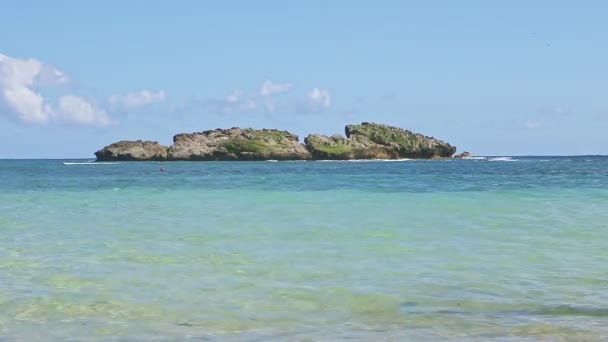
(506, 249)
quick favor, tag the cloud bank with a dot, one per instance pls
(20, 80)
(22, 86)
(24, 97)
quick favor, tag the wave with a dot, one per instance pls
(504, 159)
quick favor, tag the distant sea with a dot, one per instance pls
(504, 249)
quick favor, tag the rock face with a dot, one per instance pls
(132, 150)
(375, 141)
(364, 141)
(238, 144)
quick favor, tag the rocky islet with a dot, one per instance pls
(363, 141)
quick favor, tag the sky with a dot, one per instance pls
(493, 78)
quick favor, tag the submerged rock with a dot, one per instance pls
(463, 155)
(376, 141)
(133, 150)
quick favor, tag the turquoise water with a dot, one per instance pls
(504, 250)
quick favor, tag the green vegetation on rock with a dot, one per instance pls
(336, 149)
(374, 141)
(269, 134)
(236, 146)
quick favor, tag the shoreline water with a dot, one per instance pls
(321, 251)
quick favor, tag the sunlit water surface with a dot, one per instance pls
(504, 249)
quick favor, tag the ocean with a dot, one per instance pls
(503, 249)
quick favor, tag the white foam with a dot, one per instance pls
(272, 160)
(503, 159)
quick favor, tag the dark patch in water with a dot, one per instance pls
(568, 310)
(449, 312)
(186, 324)
(555, 310)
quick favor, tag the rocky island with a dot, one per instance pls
(364, 141)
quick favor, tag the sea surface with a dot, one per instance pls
(500, 249)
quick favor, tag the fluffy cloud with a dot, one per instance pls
(78, 110)
(18, 77)
(19, 83)
(269, 88)
(318, 98)
(136, 99)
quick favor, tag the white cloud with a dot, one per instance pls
(234, 97)
(269, 88)
(316, 100)
(28, 105)
(136, 99)
(233, 103)
(319, 98)
(267, 99)
(78, 110)
(238, 102)
(18, 77)
(19, 82)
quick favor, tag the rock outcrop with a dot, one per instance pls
(375, 141)
(364, 141)
(133, 150)
(463, 155)
(238, 144)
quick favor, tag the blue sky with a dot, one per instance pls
(501, 78)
